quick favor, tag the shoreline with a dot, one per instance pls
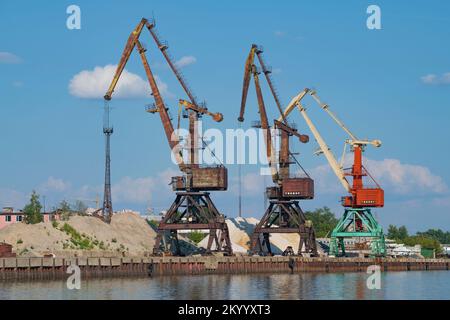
(101, 267)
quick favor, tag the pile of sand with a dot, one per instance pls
(241, 229)
(128, 234)
(28, 239)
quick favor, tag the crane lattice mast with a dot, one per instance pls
(107, 209)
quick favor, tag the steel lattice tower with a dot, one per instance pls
(107, 209)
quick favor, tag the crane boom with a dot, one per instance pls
(216, 116)
(295, 102)
(249, 71)
(161, 109)
(163, 48)
(246, 83)
(131, 42)
(270, 83)
(354, 140)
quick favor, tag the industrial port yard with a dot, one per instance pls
(312, 171)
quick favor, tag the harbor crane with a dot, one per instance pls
(357, 220)
(284, 214)
(192, 208)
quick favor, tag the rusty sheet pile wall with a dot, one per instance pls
(54, 268)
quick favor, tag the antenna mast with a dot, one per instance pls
(107, 209)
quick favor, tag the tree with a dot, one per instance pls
(32, 210)
(64, 209)
(425, 242)
(437, 234)
(323, 221)
(402, 233)
(392, 232)
(80, 207)
(395, 233)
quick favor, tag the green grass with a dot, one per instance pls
(77, 240)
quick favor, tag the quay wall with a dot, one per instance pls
(91, 267)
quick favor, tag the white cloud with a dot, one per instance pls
(54, 185)
(17, 84)
(279, 33)
(442, 201)
(93, 84)
(436, 79)
(276, 70)
(144, 189)
(9, 58)
(253, 184)
(392, 175)
(12, 198)
(185, 61)
(406, 178)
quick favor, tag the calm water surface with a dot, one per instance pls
(394, 285)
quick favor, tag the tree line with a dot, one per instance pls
(33, 210)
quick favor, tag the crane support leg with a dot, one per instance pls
(283, 216)
(358, 223)
(193, 211)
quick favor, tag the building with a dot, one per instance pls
(446, 249)
(9, 216)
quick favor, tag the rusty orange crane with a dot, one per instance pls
(283, 215)
(192, 208)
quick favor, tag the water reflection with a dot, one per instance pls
(394, 285)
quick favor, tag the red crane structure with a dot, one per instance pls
(357, 220)
(192, 208)
(283, 215)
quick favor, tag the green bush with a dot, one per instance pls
(153, 224)
(196, 236)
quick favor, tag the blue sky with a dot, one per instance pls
(374, 80)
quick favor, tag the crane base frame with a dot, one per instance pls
(346, 228)
(196, 206)
(290, 219)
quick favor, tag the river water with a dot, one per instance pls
(394, 285)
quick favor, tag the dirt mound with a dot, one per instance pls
(28, 239)
(128, 234)
(241, 229)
